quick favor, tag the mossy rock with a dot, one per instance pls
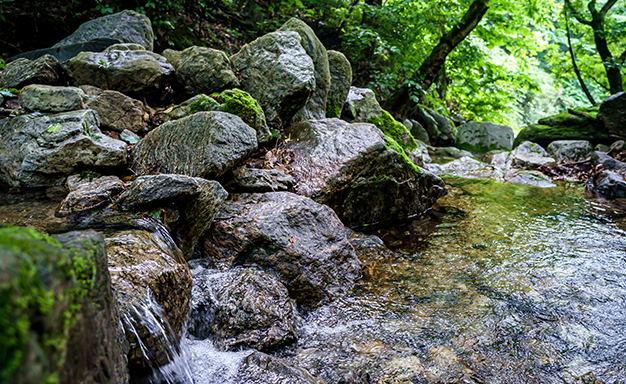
(394, 129)
(198, 103)
(240, 103)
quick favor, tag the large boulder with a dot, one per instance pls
(574, 124)
(126, 26)
(197, 201)
(278, 73)
(427, 122)
(249, 309)
(613, 114)
(358, 172)
(44, 150)
(153, 291)
(302, 242)
(46, 98)
(58, 314)
(315, 107)
(117, 111)
(360, 106)
(204, 70)
(22, 72)
(480, 138)
(66, 52)
(133, 72)
(340, 82)
(570, 150)
(205, 144)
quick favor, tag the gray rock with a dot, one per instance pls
(44, 150)
(352, 169)
(126, 26)
(531, 161)
(613, 114)
(93, 195)
(117, 112)
(417, 130)
(73, 181)
(423, 147)
(221, 141)
(468, 168)
(302, 242)
(252, 311)
(261, 180)
(171, 56)
(617, 147)
(528, 177)
(607, 162)
(22, 72)
(198, 103)
(197, 201)
(360, 105)
(153, 291)
(426, 121)
(204, 70)
(135, 73)
(569, 150)
(498, 158)
(66, 52)
(340, 81)
(315, 108)
(484, 137)
(259, 368)
(48, 98)
(602, 148)
(452, 152)
(447, 130)
(610, 185)
(530, 147)
(126, 47)
(278, 73)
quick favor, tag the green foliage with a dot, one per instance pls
(54, 127)
(2, 63)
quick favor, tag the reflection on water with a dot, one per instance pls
(515, 285)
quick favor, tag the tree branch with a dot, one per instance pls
(607, 6)
(576, 14)
(576, 70)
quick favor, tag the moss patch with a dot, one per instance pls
(333, 109)
(240, 103)
(396, 147)
(202, 103)
(394, 129)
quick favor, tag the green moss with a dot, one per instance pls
(202, 103)
(545, 134)
(41, 291)
(394, 129)
(240, 103)
(393, 145)
(333, 109)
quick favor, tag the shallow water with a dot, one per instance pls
(514, 284)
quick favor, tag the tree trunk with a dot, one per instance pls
(576, 70)
(399, 102)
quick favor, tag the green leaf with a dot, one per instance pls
(54, 127)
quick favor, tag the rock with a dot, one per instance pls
(259, 368)
(498, 158)
(417, 130)
(73, 181)
(198, 103)
(447, 130)
(360, 105)
(394, 129)
(93, 195)
(353, 169)
(240, 103)
(612, 113)
(530, 147)
(54, 285)
(117, 111)
(425, 120)
(531, 161)
(153, 290)
(261, 180)
(135, 73)
(570, 150)
(484, 137)
(315, 107)
(221, 142)
(126, 26)
(575, 124)
(22, 72)
(44, 150)
(610, 185)
(602, 148)
(126, 47)
(66, 52)
(171, 55)
(48, 98)
(424, 149)
(451, 152)
(129, 137)
(467, 167)
(302, 242)
(204, 70)
(278, 73)
(340, 81)
(253, 311)
(607, 162)
(617, 147)
(529, 177)
(197, 201)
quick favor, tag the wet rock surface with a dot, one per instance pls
(40, 150)
(302, 242)
(610, 184)
(46, 98)
(467, 167)
(528, 177)
(261, 180)
(259, 368)
(93, 195)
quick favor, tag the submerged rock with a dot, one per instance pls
(301, 241)
(340, 81)
(220, 141)
(355, 170)
(47, 98)
(87, 196)
(39, 150)
(22, 72)
(126, 26)
(484, 137)
(529, 177)
(259, 368)
(570, 150)
(360, 106)
(204, 70)
(278, 73)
